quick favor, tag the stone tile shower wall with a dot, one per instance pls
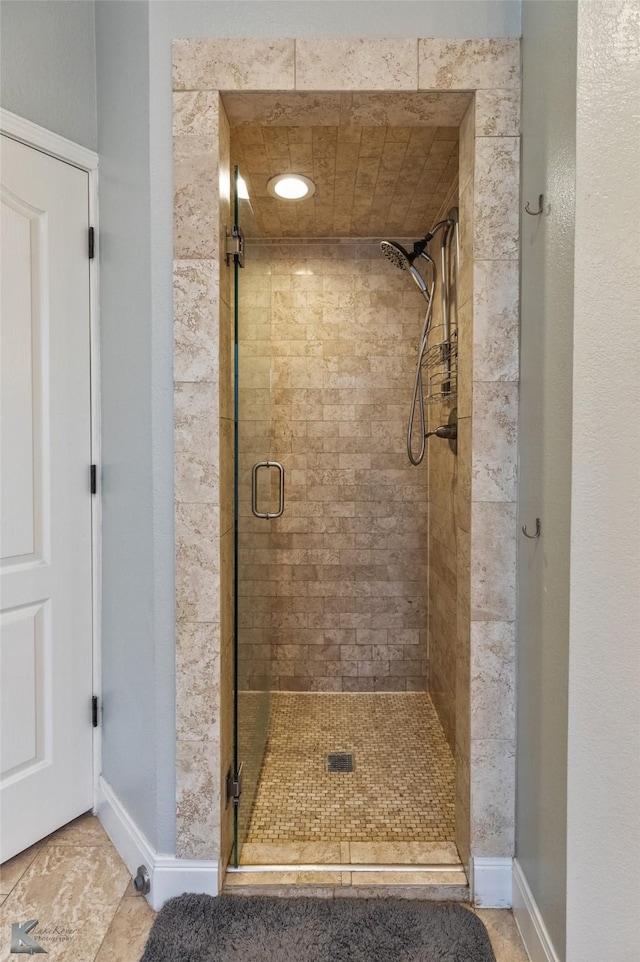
(485, 727)
(444, 473)
(203, 439)
(338, 585)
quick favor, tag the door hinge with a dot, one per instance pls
(92, 243)
(234, 785)
(235, 247)
(94, 711)
(94, 478)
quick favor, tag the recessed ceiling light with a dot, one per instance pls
(291, 187)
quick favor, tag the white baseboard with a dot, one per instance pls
(529, 921)
(492, 882)
(170, 876)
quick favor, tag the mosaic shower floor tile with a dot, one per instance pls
(402, 787)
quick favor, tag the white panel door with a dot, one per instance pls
(45, 499)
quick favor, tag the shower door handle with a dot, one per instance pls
(254, 490)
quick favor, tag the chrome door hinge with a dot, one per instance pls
(92, 243)
(235, 247)
(234, 785)
(93, 472)
(94, 711)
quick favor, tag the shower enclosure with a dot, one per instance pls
(472, 84)
(253, 511)
(331, 537)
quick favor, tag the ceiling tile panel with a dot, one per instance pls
(371, 181)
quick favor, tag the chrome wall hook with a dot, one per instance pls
(536, 213)
(538, 530)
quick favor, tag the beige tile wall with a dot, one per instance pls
(203, 406)
(339, 583)
(463, 490)
(492, 404)
(443, 472)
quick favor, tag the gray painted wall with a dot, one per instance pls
(548, 166)
(138, 723)
(48, 67)
(336, 18)
(603, 849)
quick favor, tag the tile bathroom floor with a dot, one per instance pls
(76, 885)
(78, 888)
(402, 788)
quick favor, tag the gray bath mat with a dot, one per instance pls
(199, 928)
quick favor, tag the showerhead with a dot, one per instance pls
(404, 260)
(397, 254)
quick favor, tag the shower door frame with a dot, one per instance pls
(489, 69)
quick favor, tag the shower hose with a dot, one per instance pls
(418, 391)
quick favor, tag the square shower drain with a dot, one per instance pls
(340, 762)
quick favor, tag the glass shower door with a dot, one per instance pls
(259, 494)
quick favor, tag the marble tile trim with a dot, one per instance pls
(442, 889)
(291, 853)
(197, 695)
(197, 799)
(196, 112)
(356, 64)
(495, 320)
(496, 215)
(347, 65)
(468, 64)
(196, 440)
(493, 670)
(494, 448)
(233, 64)
(196, 197)
(492, 404)
(493, 561)
(195, 328)
(349, 853)
(498, 113)
(425, 885)
(197, 562)
(403, 853)
(493, 796)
